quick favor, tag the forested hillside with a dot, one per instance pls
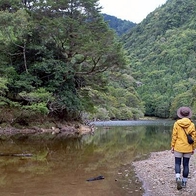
(120, 26)
(162, 51)
(60, 59)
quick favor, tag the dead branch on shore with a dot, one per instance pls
(16, 155)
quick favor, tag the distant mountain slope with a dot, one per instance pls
(120, 26)
(162, 50)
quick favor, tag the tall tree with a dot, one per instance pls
(61, 47)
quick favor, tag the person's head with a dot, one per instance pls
(184, 112)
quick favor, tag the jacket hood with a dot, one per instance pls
(184, 122)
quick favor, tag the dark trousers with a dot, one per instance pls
(185, 164)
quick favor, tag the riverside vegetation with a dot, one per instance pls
(63, 63)
(59, 59)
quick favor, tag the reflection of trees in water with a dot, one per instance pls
(158, 132)
(114, 140)
(105, 149)
(153, 130)
(157, 138)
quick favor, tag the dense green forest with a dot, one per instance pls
(162, 51)
(120, 26)
(65, 60)
(60, 59)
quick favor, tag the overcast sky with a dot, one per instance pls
(132, 10)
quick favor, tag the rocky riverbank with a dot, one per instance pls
(158, 177)
(71, 130)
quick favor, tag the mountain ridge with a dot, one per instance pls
(162, 52)
(118, 25)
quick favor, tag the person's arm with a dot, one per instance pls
(193, 134)
(174, 137)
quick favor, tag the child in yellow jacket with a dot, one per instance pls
(179, 144)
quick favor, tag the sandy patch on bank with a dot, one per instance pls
(158, 176)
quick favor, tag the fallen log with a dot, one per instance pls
(16, 155)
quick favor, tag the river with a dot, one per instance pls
(61, 167)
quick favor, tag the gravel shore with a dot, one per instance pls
(158, 176)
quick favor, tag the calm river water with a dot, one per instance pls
(62, 167)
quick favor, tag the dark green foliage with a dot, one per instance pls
(61, 50)
(162, 54)
(120, 26)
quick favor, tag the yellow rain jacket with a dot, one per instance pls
(179, 139)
